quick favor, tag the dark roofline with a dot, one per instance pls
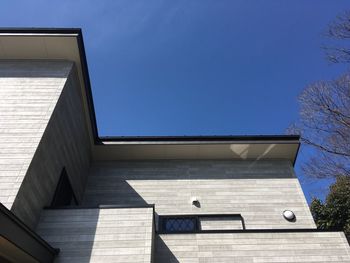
(84, 65)
(260, 138)
(88, 91)
(89, 98)
(39, 30)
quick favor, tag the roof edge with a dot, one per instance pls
(98, 140)
(71, 32)
(208, 138)
(202, 139)
(39, 30)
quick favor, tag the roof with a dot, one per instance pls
(200, 138)
(67, 43)
(51, 43)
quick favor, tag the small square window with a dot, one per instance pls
(200, 223)
(179, 224)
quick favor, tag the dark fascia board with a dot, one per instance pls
(24, 237)
(99, 140)
(39, 30)
(210, 138)
(84, 65)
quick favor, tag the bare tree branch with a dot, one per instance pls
(324, 122)
(339, 30)
(324, 148)
(325, 125)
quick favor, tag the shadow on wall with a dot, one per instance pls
(162, 252)
(53, 134)
(111, 192)
(133, 182)
(73, 231)
(99, 234)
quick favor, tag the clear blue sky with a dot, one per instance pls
(195, 67)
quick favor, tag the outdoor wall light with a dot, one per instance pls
(289, 215)
(195, 202)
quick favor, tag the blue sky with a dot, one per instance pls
(195, 67)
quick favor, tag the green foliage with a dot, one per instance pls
(334, 213)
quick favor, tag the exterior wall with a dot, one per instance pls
(260, 190)
(99, 235)
(42, 129)
(253, 247)
(210, 223)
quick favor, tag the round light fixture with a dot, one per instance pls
(289, 215)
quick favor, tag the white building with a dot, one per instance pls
(71, 196)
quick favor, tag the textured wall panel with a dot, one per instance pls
(99, 235)
(42, 129)
(253, 247)
(260, 191)
(29, 91)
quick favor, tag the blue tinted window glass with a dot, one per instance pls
(179, 224)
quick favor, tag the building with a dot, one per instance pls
(71, 196)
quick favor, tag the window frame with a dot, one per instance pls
(162, 219)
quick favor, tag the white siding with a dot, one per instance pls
(42, 129)
(253, 247)
(28, 93)
(219, 223)
(260, 191)
(99, 235)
